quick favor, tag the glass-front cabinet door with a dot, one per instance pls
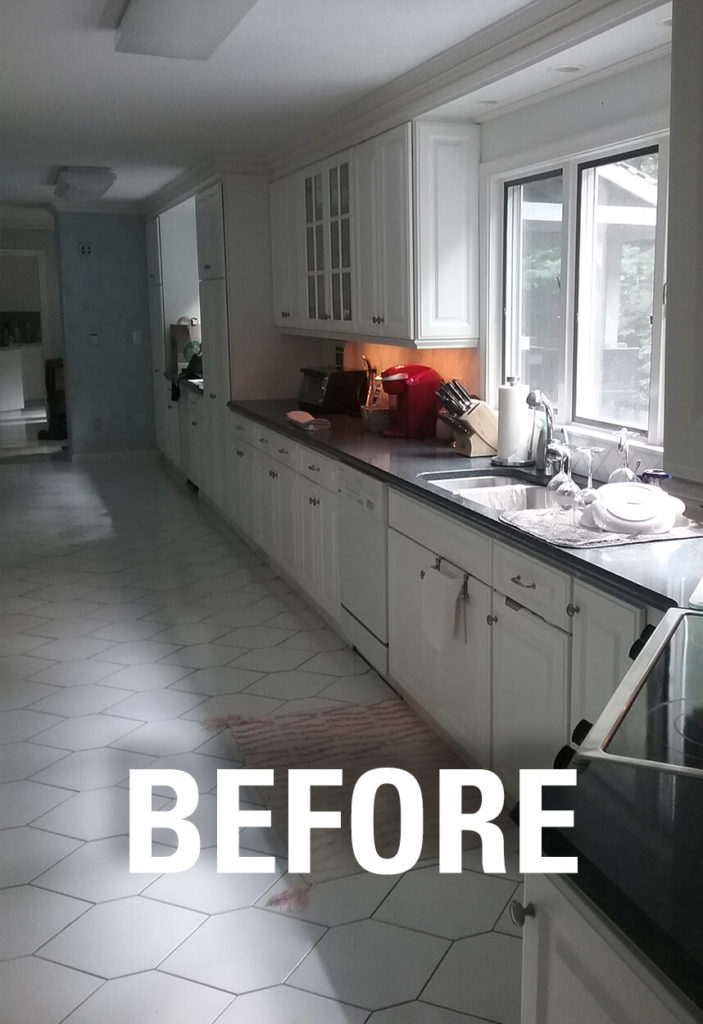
(328, 255)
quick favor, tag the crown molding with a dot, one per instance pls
(205, 172)
(533, 33)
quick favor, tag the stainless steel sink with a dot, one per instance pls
(500, 490)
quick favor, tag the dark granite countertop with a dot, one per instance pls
(662, 574)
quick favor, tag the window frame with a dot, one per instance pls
(496, 356)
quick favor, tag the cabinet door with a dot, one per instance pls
(575, 969)
(286, 231)
(276, 486)
(382, 242)
(446, 196)
(530, 691)
(328, 244)
(209, 225)
(604, 629)
(171, 429)
(215, 339)
(153, 251)
(440, 642)
(240, 483)
(317, 568)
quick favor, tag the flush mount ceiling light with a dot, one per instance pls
(83, 182)
(178, 28)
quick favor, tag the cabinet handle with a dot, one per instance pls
(491, 619)
(374, 319)
(263, 440)
(314, 469)
(380, 320)
(193, 423)
(314, 501)
(518, 912)
(283, 451)
(211, 395)
(169, 407)
(240, 453)
(518, 581)
(238, 426)
(572, 609)
(207, 266)
(273, 474)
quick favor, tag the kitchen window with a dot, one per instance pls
(583, 247)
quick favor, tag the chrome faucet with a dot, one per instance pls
(548, 455)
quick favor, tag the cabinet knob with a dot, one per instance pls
(380, 320)
(240, 453)
(207, 266)
(491, 619)
(374, 319)
(572, 609)
(193, 423)
(518, 912)
(211, 395)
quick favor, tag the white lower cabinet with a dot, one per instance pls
(575, 968)
(530, 683)
(318, 553)
(440, 642)
(604, 629)
(276, 486)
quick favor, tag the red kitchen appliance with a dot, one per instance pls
(414, 387)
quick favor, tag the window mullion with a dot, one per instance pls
(656, 394)
(568, 287)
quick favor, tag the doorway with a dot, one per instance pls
(24, 321)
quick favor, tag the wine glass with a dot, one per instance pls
(588, 494)
(565, 495)
(623, 474)
(556, 481)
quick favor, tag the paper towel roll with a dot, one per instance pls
(514, 423)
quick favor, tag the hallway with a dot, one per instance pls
(130, 615)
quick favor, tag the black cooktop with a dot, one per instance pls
(664, 721)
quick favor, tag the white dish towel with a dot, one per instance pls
(442, 605)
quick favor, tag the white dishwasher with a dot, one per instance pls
(363, 564)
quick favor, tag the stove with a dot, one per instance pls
(656, 715)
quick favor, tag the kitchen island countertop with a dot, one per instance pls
(662, 573)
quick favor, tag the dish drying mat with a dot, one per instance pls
(541, 523)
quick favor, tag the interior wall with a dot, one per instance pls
(462, 364)
(19, 283)
(43, 241)
(593, 113)
(179, 262)
(106, 317)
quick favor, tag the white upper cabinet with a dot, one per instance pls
(286, 251)
(446, 221)
(327, 220)
(387, 242)
(153, 251)
(383, 237)
(210, 233)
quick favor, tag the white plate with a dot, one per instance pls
(633, 502)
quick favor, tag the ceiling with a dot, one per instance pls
(69, 98)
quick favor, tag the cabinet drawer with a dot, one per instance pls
(539, 587)
(317, 467)
(240, 427)
(282, 449)
(263, 438)
(465, 547)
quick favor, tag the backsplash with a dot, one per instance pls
(462, 364)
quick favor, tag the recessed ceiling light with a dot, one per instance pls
(568, 69)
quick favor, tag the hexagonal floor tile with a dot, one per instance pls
(452, 906)
(98, 871)
(212, 682)
(26, 852)
(151, 998)
(31, 916)
(21, 724)
(91, 769)
(164, 738)
(94, 814)
(480, 975)
(20, 760)
(243, 950)
(202, 888)
(22, 802)
(291, 685)
(420, 1013)
(156, 705)
(35, 991)
(285, 1005)
(370, 964)
(87, 732)
(102, 941)
(272, 659)
(152, 676)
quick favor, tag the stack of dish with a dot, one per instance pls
(632, 508)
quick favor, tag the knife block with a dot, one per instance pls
(481, 435)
